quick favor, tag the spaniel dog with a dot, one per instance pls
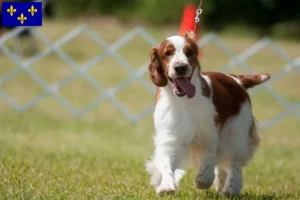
(206, 116)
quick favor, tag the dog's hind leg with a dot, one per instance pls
(205, 176)
(207, 163)
(234, 179)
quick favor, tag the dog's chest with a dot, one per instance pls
(201, 112)
(183, 118)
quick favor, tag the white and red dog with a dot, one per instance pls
(203, 115)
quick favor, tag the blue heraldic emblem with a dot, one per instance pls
(22, 14)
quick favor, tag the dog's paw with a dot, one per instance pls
(204, 180)
(154, 173)
(165, 189)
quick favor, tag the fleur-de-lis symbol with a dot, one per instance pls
(11, 10)
(22, 18)
(32, 10)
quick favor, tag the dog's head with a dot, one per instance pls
(174, 62)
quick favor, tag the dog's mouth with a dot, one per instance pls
(182, 86)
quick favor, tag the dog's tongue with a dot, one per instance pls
(186, 86)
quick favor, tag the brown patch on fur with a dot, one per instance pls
(159, 58)
(191, 51)
(195, 37)
(228, 96)
(165, 52)
(155, 69)
(249, 81)
(191, 44)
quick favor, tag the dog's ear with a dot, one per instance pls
(190, 34)
(155, 69)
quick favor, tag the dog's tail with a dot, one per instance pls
(249, 81)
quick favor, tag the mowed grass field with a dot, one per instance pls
(46, 153)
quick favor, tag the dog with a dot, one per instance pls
(27, 34)
(201, 116)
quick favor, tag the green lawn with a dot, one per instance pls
(46, 153)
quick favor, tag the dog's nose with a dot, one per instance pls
(181, 69)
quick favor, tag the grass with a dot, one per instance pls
(46, 153)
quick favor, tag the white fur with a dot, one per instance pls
(220, 179)
(182, 124)
(179, 56)
(264, 78)
(236, 79)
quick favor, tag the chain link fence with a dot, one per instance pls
(135, 74)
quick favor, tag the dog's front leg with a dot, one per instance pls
(233, 183)
(164, 162)
(174, 133)
(167, 167)
(170, 160)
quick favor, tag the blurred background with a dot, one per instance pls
(76, 102)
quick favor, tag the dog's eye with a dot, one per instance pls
(189, 53)
(168, 53)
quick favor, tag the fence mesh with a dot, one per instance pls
(135, 74)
